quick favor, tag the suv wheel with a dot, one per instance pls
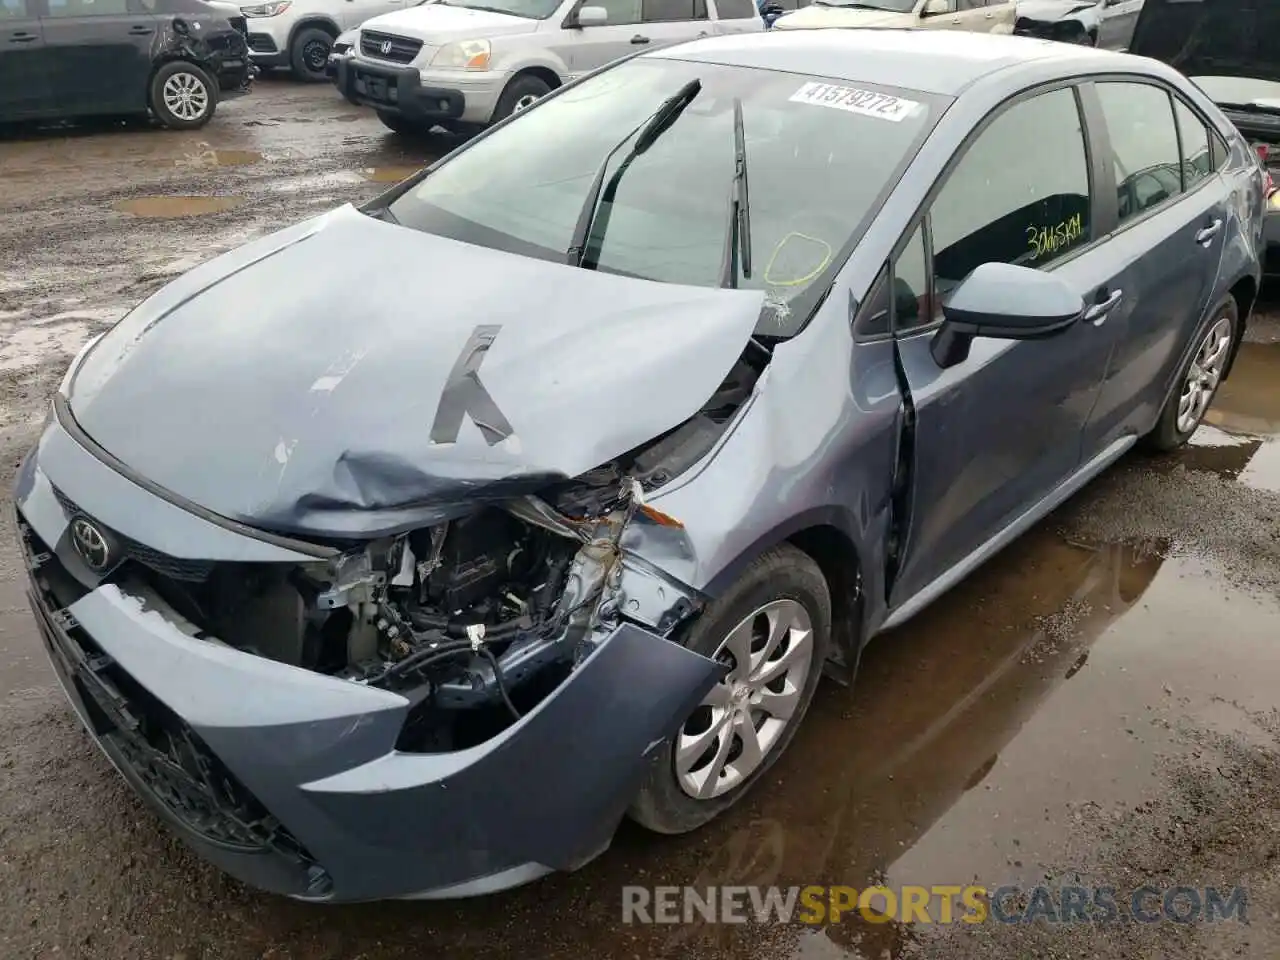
(772, 629)
(521, 92)
(309, 53)
(183, 97)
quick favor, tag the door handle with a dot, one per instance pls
(1208, 233)
(955, 20)
(639, 39)
(23, 38)
(1097, 314)
(141, 31)
(988, 16)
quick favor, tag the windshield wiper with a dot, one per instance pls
(578, 254)
(1250, 107)
(737, 241)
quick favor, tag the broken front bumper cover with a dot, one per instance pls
(290, 780)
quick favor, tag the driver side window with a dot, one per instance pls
(1020, 193)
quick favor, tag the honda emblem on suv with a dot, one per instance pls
(386, 47)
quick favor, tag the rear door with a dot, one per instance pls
(24, 81)
(1000, 431)
(665, 22)
(736, 16)
(999, 16)
(100, 55)
(1172, 210)
(959, 15)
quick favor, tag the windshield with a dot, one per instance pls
(1240, 90)
(532, 9)
(819, 157)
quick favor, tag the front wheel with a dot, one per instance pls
(772, 630)
(398, 123)
(522, 92)
(1199, 379)
(309, 54)
(183, 97)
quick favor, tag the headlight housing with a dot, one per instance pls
(272, 9)
(463, 55)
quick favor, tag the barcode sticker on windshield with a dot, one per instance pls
(865, 102)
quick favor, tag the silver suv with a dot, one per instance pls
(464, 64)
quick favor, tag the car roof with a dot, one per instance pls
(934, 61)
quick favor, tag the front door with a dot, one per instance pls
(24, 84)
(998, 432)
(100, 55)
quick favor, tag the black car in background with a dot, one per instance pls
(73, 59)
(1229, 49)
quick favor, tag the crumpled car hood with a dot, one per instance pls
(344, 376)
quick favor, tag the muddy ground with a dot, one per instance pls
(1098, 705)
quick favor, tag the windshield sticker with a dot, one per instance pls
(865, 102)
(1054, 239)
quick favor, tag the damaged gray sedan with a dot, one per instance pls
(405, 551)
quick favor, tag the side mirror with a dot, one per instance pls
(592, 16)
(1007, 302)
(936, 8)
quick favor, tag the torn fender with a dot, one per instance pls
(344, 375)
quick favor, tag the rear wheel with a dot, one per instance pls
(1199, 379)
(183, 97)
(772, 630)
(309, 52)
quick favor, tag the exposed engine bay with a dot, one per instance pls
(474, 619)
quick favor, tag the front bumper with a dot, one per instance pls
(427, 98)
(290, 780)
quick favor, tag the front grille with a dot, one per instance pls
(241, 25)
(178, 568)
(261, 43)
(165, 757)
(385, 46)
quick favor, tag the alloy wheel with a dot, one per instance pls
(1204, 375)
(528, 100)
(185, 96)
(769, 655)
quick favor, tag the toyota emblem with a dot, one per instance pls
(91, 544)
(386, 47)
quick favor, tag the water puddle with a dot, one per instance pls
(165, 208)
(219, 158)
(388, 174)
(1248, 402)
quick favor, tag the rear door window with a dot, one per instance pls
(13, 10)
(672, 11)
(1193, 137)
(1020, 193)
(1144, 145)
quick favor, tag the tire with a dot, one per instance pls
(400, 124)
(785, 579)
(183, 96)
(1214, 341)
(308, 54)
(520, 93)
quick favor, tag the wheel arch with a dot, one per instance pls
(544, 72)
(1245, 293)
(327, 24)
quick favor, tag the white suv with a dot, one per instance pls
(468, 63)
(299, 33)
